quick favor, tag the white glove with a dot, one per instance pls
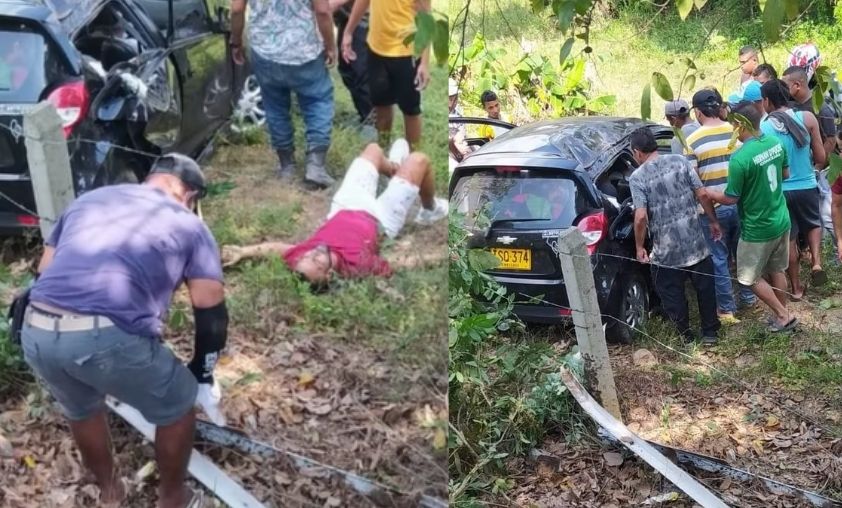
(208, 400)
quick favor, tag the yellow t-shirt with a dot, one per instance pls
(390, 22)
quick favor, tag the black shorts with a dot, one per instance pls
(391, 80)
(804, 211)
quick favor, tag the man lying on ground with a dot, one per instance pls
(347, 243)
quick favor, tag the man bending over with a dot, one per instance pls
(347, 243)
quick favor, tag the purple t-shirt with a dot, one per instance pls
(121, 251)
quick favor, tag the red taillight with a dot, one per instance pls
(27, 220)
(593, 227)
(71, 100)
(565, 312)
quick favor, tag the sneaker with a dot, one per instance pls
(427, 217)
(399, 151)
(709, 340)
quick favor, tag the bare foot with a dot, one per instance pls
(114, 494)
(183, 500)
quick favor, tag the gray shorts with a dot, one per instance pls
(82, 367)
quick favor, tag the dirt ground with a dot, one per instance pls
(789, 433)
(344, 403)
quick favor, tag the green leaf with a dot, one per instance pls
(690, 82)
(575, 76)
(582, 6)
(565, 13)
(835, 168)
(537, 6)
(690, 63)
(700, 3)
(682, 138)
(773, 16)
(482, 260)
(793, 8)
(565, 50)
(818, 101)
(440, 41)
(684, 8)
(829, 303)
(662, 86)
(425, 28)
(646, 103)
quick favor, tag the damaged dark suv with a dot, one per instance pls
(130, 79)
(520, 190)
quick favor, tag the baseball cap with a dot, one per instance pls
(735, 98)
(452, 87)
(677, 107)
(185, 168)
(751, 92)
(706, 97)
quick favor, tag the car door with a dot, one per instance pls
(202, 57)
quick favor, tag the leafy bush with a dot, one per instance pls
(505, 391)
(536, 88)
(13, 371)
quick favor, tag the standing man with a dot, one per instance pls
(355, 73)
(798, 132)
(797, 79)
(665, 192)
(764, 72)
(748, 62)
(677, 113)
(292, 45)
(710, 153)
(755, 174)
(97, 311)
(395, 76)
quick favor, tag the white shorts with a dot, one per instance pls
(359, 192)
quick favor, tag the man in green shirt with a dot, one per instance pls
(755, 173)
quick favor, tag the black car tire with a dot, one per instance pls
(632, 310)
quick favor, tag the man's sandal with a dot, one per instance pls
(775, 327)
(818, 278)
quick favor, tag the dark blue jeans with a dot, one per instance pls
(721, 251)
(314, 89)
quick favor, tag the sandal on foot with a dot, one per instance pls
(778, 328)
(818, 278)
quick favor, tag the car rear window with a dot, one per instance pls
(27, 65)
(521, 201)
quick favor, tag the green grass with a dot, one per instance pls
(628, 48)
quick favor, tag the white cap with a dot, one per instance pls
(452, 87)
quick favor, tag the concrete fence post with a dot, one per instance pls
(49, 164)
(581, 293)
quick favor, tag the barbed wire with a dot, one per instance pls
(687, 270)
(707, 365)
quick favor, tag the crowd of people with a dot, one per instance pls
(747, 190)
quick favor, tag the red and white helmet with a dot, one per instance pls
(806, 56)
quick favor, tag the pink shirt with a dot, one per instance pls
(351, 235)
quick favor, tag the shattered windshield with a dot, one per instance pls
(583, 140)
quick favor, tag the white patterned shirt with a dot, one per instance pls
(284, 31)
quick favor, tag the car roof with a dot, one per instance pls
(69, 14)
(25, 9)
(582, 140)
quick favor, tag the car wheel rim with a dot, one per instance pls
(249, 112)
(635, 305)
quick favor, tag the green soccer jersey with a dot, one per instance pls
(755, 173)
